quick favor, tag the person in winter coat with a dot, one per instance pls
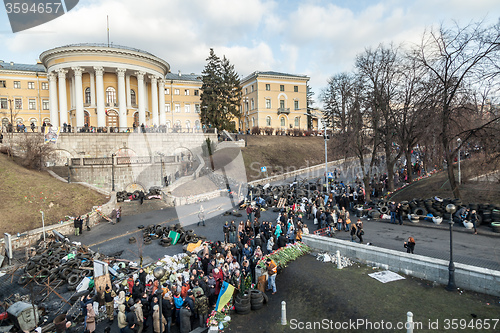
(90, 318)
(109, 296)
(202, 307)
(410, 245)
(139, 316)
(185, 317)
(156, 320)
(122, 318)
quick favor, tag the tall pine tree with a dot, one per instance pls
(221, 94)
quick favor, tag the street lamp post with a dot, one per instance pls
(112, 172)
(451, 208)
(459, 141)
(158, 273)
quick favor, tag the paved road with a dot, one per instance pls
(481, 250)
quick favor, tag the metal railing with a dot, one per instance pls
(109, 129)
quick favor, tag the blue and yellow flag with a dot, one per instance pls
(225, 295)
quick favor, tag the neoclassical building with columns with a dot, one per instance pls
(103, 86)
(109, 86)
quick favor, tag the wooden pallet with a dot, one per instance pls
(281, 203)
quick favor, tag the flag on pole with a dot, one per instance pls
(225, 295)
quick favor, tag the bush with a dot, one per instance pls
(255, 130)
(268, 130)
(34, 151)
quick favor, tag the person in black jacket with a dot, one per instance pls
(167, 306)
(410, 245)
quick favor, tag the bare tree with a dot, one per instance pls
(33, 150)
(456, 59)
(379, 69)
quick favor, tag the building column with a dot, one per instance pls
(54, 116)
(122, 99)
(63, 97)
(78, 91)
(127, 91)
(161, 101)
(141, 97)
(92, 90)
(99, 84)
(154, 99)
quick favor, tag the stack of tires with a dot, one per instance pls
(252, 299)
(257, 299)
(495, 219)
(242, 303)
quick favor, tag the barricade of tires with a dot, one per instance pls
(124, 195)
(52, 263)
(252, 299)
(157, 232)
(272, 194)
(426, 209)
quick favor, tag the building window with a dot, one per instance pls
(268, 121)
(133, 98)
(178, 124)
(246, 91)
(268, 86)
(197, 124)
(295, 88)
(45, 86)
(18, 102)
(251, 87)
(282, 87)
(296, 105)
(110, 96)
(167, 91)
(87, 96)
(177, 108)
(252, 104)
(268, 103)
(196, 92)
(31, 85)
(3, 84)
(187, 108)
(282, 121)
(17, 84)
(4, 103)
(167, 107)
(188, 124)
(169, 124)
(297, 121)
(197, 108)
(186, 92)
(45, 104)
(282, 103)
(253, 121)
(32, 104)
(177, 92)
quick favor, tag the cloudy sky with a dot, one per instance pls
(317, 38)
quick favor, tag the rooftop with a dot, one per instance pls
(272, 73)
(11, 66)
(184, 77)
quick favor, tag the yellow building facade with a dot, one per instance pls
(274, 100)
(96, 87)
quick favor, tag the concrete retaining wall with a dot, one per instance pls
(468, 277)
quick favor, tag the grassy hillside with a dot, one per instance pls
(278, 153)
(26, 192)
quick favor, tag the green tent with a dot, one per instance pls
(175, 236)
